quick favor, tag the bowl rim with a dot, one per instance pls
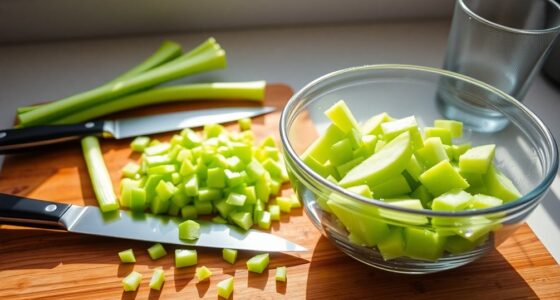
(526, 199)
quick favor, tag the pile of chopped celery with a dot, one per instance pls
(216, 172)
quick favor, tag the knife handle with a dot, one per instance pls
(12, 140)
(23, 211)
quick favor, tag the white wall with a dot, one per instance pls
(32, 20)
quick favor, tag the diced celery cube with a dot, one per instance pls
(258, 263)
(180, 199)
(189, 230)
(392, 187)
(458, 150)
(190, 138)
(477, 159)
(173, 210)
(236, 199)
(414, 168)
(481, 201)
(242, 219)
(157, 251)
(262, 189)
(161, 169)
(274, 211)
(157, 280)
(132, 281)
(223, 208)
(233, 178)
(127, 256)
(216, 178)
(185, 258)
(341, 116)
(394, 128)
(189, 212)
(157, 149)
(234, 163)
(191, 186)
(273, 168)
(401, 218)
(255, 170)
(432, 152)
(455, 127)
(225, 288)
(443, 133)
(423, 244)
(264, 220)
(373, 125)
(176, 140)
(213, 130)
(137, 199)
(175, 178)
(251, 195)
(209, 194)
(453, 200)
(203, 207)
(369, 142)
(140, 143)
(324, 169)
(281, 274)
(500, 186)
(243, 151)
(157, 160)
(295, 201)
(340, 152)
(319, 150)
(456, 245)
(244, 124)
(441, 178)
(392, 246)
(165, 190)
(130, 170)
(127, 185)
(159, 205)
(284, 203)
(202, 273)
(187, 168)
(229, 255)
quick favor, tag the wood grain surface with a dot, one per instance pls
(37, 263)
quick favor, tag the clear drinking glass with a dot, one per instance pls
(500, 42)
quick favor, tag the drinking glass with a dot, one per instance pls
(500, 42)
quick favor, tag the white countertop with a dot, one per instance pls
(31, 73)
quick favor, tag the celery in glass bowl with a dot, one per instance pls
(431, 215)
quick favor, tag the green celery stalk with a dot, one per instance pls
(253, 90)
(99, 175)
(205, 61)
(167, 51)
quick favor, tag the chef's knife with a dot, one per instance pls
(136, 226)
(21, 138)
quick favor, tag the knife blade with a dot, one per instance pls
(12, 140)
(136, 226)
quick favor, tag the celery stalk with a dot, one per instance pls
(167, 51)
(100, 179)
(253, 90)
(205, 61)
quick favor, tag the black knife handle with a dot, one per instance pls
(12, 140)
(30, 212)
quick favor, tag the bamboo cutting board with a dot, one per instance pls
(58, 265)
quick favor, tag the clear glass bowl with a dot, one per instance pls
(526, 152)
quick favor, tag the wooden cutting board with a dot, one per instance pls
(50, 264)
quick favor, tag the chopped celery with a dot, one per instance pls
(229, 255)
(236, 199)
(242, 219)
(274, 212)
(100, 179)
(189, 212)
(245, 124)
(140, 143)
(225, 288)
(137, 199)
(132, 281)
(165, 190)
(284, 203)
(219, 220)
(203, 207)
(130, 170)
(216, 178)
(203, 273)
(281, 274)
(157, 251)
(258, 263)
(157, 280)
(209, 194)
(127, 256)
(264, 220)
(185, 258)
(191, 187)
(189, 230)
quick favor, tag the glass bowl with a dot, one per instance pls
(432, 240)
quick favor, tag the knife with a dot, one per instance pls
(27, 137)
(22, 211)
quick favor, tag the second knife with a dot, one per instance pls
(12, 140)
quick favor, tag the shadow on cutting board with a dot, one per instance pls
(333, 276)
